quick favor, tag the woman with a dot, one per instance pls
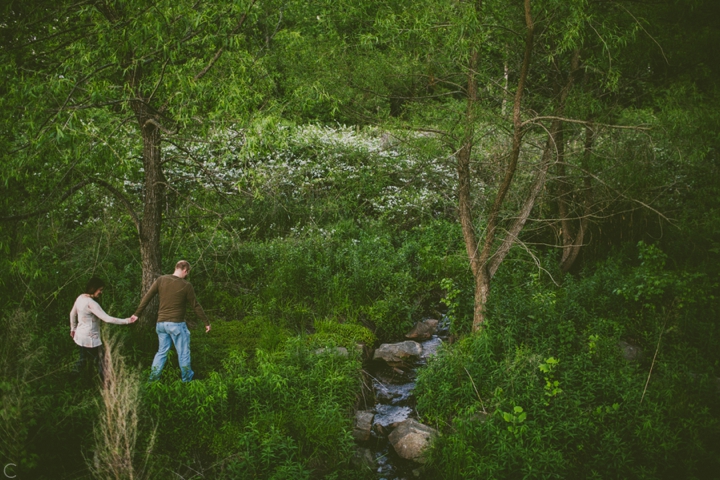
(85, 325)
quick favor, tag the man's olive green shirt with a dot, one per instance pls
(175, 294)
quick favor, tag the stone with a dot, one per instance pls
(397, 353)
(631, 353)
(363, 425)
(423, 330)
(363, 459)
(342, 351)
(411, 440)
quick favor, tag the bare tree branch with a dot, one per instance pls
(583, 122)
(152, 121)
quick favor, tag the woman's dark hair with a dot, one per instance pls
(93, 284)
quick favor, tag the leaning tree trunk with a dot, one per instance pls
(463, 171)
(490, 259)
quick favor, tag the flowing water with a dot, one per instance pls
(394, 402)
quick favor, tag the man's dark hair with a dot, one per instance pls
(93, 285)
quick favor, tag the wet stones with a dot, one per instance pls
(388, 416)
(411, 439)
(398, 441)
(430, 347)
(393, 394)
(364, 459)
(363, 425)
(423, 330)
(397, 354)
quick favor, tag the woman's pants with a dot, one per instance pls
(91, 354)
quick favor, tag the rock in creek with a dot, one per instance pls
(364, 459)
(630, 352)
(342, 351)
(410, 439)
(363, 425)
(423, 330)
(398, 353)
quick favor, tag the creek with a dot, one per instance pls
(393, 401)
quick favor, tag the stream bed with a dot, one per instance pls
(393, 402)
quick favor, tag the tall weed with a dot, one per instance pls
(117, 432)
(20, 358)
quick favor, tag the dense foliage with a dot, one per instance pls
(551, 394)
(305, 159)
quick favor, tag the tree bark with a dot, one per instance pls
(463, 168)
(573, 244)
(464, 181)
(150, 251)
(482, 277)
(153, 191)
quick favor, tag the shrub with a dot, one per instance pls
(544, 391)
(286, 413)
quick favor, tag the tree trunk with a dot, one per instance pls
(151, 223)
(572, 246)
(463, 171)
(149, 227)
(154, 189)
(563, 195)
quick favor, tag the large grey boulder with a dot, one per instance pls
(363, 425)
(411, 439)
(423, 330)
(631, 353)
(398, 353)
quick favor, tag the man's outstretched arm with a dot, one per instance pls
(148, 296)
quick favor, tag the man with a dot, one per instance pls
(175, 294)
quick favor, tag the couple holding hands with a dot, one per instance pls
(175, 294)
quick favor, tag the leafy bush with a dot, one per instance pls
(288, 413)
(211, 349)
(544, 390)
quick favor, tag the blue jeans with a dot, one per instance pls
(179, 335)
